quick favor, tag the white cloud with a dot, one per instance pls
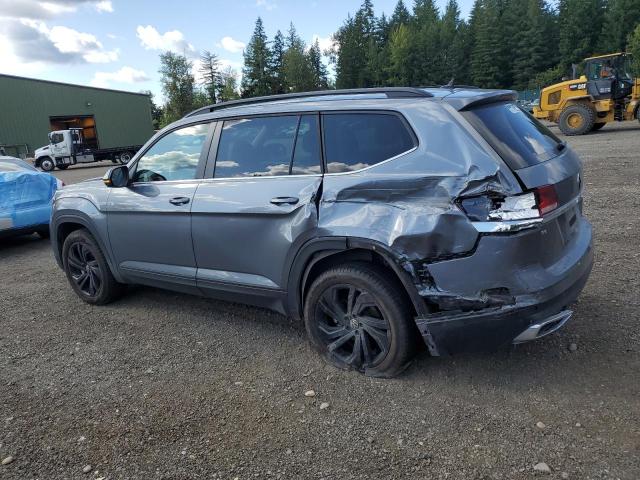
(43, 9)
(104, 6)
(172, 40)
(326, 43)
(13, 65)
(232, 45)
(124, 75)
(266, 4)
(34, 41)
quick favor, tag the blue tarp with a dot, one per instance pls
(25, 199)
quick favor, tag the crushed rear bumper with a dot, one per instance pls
(539, 291)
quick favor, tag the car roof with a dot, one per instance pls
(459, 97)
(15, 161)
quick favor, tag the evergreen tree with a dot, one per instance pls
(449, 58)
(633, 42)
(277, 64)
(580, 25)
(156, 111)
(256, 78)
(400, 15)
(298, 73)
(399, 70)
(209, 71)
(318, 69)
(177, 85)
(486, 68)
(228, 85)
(425, 47)
(620, 19)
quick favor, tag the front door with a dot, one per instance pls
(150, 220)
(259, 206)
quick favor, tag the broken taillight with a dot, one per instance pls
(499, 208)
(547, 199)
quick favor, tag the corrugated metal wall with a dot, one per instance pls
(26, 104)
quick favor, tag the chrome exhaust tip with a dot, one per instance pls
(544, 328)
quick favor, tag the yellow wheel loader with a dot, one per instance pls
(606, 92)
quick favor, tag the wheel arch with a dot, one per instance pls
(322, 253)
(65, 223)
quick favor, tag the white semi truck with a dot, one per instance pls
(66, 147)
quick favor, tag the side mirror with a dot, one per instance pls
(117, 177)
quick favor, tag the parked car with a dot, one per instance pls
(25, 198)
(380, 217)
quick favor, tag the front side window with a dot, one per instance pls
(354, 141)
(174, 157)
(268, 146)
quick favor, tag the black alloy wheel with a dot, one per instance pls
(358, 317)
(352, 326)
(84, 269)
(87, 269)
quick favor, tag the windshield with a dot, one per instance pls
(520, 139)
(607, 67)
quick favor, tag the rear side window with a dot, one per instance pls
(518, 138)
(358, 140)
(268, 146)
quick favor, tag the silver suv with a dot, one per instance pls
(380, 217)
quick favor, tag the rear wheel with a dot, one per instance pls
(47, 164)
(357, 318)
(577, 119)
(87, 269)
(125, 157)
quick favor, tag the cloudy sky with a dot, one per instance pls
(116, 43)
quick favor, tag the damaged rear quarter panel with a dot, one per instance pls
(408, 203)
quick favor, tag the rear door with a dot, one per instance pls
(150, 220)
(257, 204)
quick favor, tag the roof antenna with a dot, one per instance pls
(451, 84)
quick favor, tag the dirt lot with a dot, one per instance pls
(161, 385)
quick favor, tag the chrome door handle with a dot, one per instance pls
(285, 200)
(180, 200)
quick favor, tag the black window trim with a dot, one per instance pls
(210, 170)
(405, 122)
(200, 169)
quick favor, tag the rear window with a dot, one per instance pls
(518, 138)
(358, 140)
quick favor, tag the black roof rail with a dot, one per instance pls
(390, 92)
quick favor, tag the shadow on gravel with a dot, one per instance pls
(20, 243)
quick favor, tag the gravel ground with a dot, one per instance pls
(162, 385)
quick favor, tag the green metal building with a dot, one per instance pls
(30, 109)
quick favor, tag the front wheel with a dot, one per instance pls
(87, 269)
(577, 119)
(357, 318)
(47, 164)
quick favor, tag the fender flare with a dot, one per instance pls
(320, 248)
(83, 219)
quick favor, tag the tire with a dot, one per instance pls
(597, 126)
(577, 119)
(63, 167)
(125, 157)
(376, 335)
(47, 165)
(87, 269)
